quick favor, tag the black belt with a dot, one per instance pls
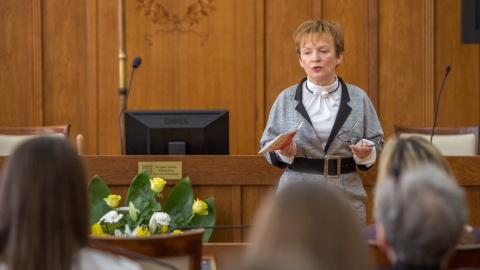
(334, 165)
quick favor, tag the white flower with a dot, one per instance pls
(112, 217)
(126, 208)
(161, 218)
(118, 233)
(133, 211)
(134, 232)
(127, 232)
(152, 225)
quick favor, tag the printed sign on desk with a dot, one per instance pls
(165, 169)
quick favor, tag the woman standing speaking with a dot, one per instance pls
(343, 131)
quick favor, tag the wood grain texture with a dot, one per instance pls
(18, 30)
(281, 62)
(64, 56)
(242, 183)
(182, 71)
(401, 65)
(353, 17)
(461, 92)
(227, 255)
(60, 63)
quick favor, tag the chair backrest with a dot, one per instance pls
(451, 141)
(465, 256)
(378, 258)
(462, 256)
(11, 137)
(181, 250)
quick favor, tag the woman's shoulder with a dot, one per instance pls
(291, 90)
(94, 259)
(355, 90)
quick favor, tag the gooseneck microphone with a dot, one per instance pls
(135, 64)
(447, 70)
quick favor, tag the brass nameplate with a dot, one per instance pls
(165, 169)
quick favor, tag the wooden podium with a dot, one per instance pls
(240, 183)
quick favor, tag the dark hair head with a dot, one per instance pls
(44, 205)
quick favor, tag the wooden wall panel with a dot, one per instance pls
(108, 101)
(401, 66)
(353, 17)
(64, 61)
(180, 70)
(20, 37)
(282, 66)
(252, 199)
(61, 63)
(461, 92)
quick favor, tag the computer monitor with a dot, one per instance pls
(177, 132)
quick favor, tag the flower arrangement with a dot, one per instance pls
(142, 214)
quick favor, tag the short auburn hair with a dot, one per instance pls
(320, 27)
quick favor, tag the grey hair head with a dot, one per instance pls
(423, 214)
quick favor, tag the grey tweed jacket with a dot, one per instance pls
(288, 112)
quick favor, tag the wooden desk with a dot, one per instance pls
(226, 255)
(240, 183)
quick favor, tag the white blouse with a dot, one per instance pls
(322, 104)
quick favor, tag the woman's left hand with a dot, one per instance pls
(361, 150)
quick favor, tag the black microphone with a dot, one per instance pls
(135, 64)
(447, 70)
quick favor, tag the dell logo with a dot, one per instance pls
(176, 120)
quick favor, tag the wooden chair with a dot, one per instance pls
(184, 251)
(378, 258)
(451, 141)
(10, 137)
(463, 256)
(80, 144)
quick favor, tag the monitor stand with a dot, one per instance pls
(176, 148)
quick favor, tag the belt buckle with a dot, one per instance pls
(325, 170)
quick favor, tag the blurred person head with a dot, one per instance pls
(403, 153)
(311, 226)
(420, 215)
(44, 206)
(319, 45)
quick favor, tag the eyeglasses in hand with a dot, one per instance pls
(346, 136)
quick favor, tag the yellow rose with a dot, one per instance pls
(142, 232)
(200, 207)
(164, 228)
(112, 200)
(97, 230)
(157, 184)
(177, 232)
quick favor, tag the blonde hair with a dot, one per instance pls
(403, 153)
(311, 225)
(320, 27)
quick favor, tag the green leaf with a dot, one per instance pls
(206, 221)
(156, 207)
(135, 190)
(179, 202)
(97, 190)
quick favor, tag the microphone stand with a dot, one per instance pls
(447, 70)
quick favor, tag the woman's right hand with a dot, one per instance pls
(289, 150)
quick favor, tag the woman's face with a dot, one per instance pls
(319, 59)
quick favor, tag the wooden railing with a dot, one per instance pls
(240, 183)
